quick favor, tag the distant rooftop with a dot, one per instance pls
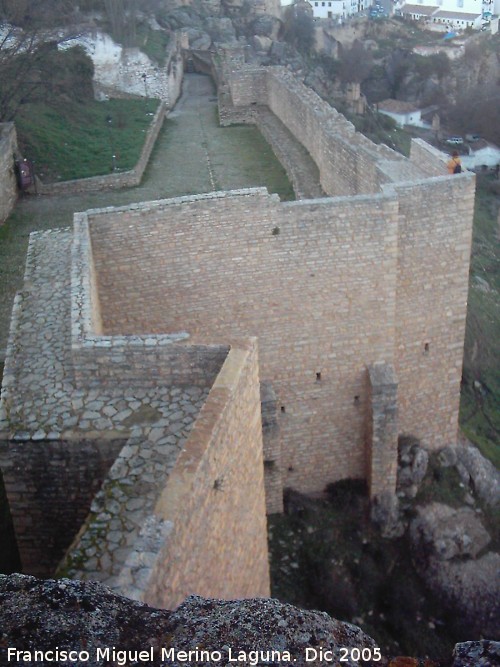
(418, 9)
(397, 106)
(442, 14)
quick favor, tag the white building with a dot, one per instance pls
(404, 113)
(452, 14)
(329, 9)
(487, 154)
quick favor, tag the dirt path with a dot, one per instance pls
(192, 155)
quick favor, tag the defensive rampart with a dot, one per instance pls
(432, 245)
(358, 301)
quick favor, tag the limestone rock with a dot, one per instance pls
(479, 474)
(181, 18)
(472, 589)
(46, 613)
(412, 466)
(483, 653)
(445, 532)
(385, 512)
(266, 25)
(220, 29)
(278, 49)
(198, 39)
(447, 457)
(446, 543)
(262, 44)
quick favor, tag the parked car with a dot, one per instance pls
(471, 138)
(455, 141)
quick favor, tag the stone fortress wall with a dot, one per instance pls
(423, 284)
(358, 302)
(8, 185)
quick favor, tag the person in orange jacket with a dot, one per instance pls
(454, 165)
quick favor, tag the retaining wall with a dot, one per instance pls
(114, 181)
(8, 185)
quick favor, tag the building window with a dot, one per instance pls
(460, 3)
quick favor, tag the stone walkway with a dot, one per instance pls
(41, 401)
(192, 155)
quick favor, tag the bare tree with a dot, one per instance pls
(477, 110)
(299, 28)
(122, 15)
(28, 33)
(356, 64)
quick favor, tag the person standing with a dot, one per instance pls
(454, 164)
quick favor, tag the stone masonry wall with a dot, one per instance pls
(382, 430)
(347, 160)
(215, 497)
(8, 186)
(314, 280)
(143, 361)
(50, 485)
(434, 244)
(184, 511)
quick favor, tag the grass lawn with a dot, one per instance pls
(153, 43)
(79, 140)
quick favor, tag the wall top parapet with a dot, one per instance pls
(173, 201)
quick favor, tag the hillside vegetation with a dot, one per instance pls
(480, 398)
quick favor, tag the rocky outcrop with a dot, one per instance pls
(478, 474)
(444, 532)
(87, 616)
(447, 545)
(104, 628)
(412, 467)
(479, 654)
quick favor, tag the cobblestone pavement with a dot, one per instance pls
(192, 155)
(41, 401)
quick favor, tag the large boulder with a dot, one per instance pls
(446, 545)
(220, 29)
(479, 474)
(471, 589)
(180, 18)
(198, 39)
(412, 466)
(85, 616)
(445, 532)
(266, 25)
(261, 44)
(483, 653)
